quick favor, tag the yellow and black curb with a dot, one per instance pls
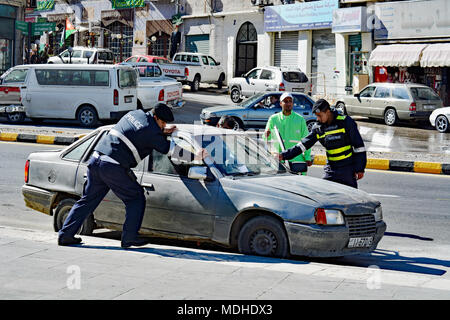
(377, 164)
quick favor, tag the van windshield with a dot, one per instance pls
(127, 78)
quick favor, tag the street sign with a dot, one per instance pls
(40, 27)
(22, 26)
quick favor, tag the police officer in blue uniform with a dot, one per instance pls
(133, 138)
(346, 153)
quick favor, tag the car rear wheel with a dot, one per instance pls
(263, 236)
(195, 85)
(442, 124)
(61, 213)
(390, 117)
(235, 95)
(87, 116)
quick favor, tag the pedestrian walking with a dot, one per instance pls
(292, 128)
(346, 153)
(133, 138)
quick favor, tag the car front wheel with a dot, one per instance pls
(61, 213)
(442, 124)
(263, 236)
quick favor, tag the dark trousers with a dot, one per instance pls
(101, 177)
(343, 175)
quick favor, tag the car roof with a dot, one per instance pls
(90, 49)
(72, 66)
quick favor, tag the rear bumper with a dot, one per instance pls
(420, 115)
(327, 241)
(176, 104)
(38, 199)
(116, 115)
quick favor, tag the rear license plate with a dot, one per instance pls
(429, 106)
(128, 99)
(298, 89)
(360, 242)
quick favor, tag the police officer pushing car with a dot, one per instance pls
(346, 153)
(133, 138)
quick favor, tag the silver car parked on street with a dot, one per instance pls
(391, 102)
(239, 196)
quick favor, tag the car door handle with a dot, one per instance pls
(148, 186)
(306, 113)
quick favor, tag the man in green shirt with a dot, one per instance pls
(292, 128)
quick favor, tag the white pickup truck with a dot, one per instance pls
(154, 87)
(201, 68)
(10, 102)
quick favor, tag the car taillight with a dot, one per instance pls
(186, 72)
(412, 107)
(321, 217)
(161, 95)
(116, 97)
(282, 88)
(27, 170)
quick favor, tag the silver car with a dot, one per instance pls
(391, 102)
(239, 196)
(256, 110)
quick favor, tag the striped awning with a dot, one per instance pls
(397, 55)
(436, 55)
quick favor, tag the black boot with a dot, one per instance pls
(68, 241)
(137, 242)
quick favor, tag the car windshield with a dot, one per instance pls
(236, 155)
(252, 100)
(420, 93)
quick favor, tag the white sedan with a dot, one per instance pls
(439, 119)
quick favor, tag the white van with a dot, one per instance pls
(87, 93)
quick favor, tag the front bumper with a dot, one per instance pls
(327, 241)
(212, 121)
(176, 104)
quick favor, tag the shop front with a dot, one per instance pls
(7, 36)
(413, 45)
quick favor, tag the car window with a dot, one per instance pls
(254, 74)
(127, 78)
(14, 76)
(132, 59)
(76, 54)
(367, 92)
(420, 93)
(205, 60)
(149, 71)
(78, 151)
(103, 55)
(267, 75)
(88, 53)
(400, 93)
(188, 58)
(195, 59)
(303, 103)
(382, 92)
(65, 54)
(177, 58)
(298, 77)
(212, 62)
(73, 77)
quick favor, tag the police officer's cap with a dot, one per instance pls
(163, 112)
(320, 105)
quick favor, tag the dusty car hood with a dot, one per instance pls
(222, 109)
(327, 194)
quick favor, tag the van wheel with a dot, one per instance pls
(87, 116)
(195, 85)
(15, 117)
(235, 95)
(263, 236)
(61, 213)
(390, 117)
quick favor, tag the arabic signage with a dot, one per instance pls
(45, 5)
(300, 16)
(350, 20)
(417, 19)
(126, 4)
(37, 28)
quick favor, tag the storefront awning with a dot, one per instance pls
(436, 55)
(397, 55)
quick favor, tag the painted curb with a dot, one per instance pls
(376, 164)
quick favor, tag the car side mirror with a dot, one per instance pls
(357, 95)
(217, 63)
(198, 173)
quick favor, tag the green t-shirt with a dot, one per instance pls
(292, 129)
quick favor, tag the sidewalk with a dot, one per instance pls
(33, 267)
(393, 161)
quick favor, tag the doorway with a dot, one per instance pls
(246, 49)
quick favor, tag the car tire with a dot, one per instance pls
(310, 125)
(263, 236)
(390, 117)
(62, 211)
(195, 85)
(220, 81)
(239, 124)
(15, 117)
(87, 116)
(340, 107)
(442, 124)
(235, 95)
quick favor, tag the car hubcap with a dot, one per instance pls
(442, 124)
(263, 242)
(235, 95)
(390, 117)
(86, 117)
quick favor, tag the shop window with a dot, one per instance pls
(120, 40)
(159, 45)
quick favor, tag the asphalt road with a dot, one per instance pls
(415, 208)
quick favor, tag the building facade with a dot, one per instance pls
(10, 38)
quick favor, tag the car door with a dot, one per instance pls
(248, 86)
(213, 69)
(265, 82)
(360, 103)
(381, 99)
(206, 69)
(174, 202)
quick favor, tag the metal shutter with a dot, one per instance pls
(286, 49)
(198, 43)
(324, 62)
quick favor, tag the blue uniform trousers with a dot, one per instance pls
(343, 175)
(101, 177)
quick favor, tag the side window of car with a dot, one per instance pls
(76, 54)
(400, 93)
(267, 75)
(76, 153)
(382, 92)
(18, 75)
(65, 54)
(177, 58)
(301, 102)
(254, 74)
(212, 62)
(367, 92)
(205, 60)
